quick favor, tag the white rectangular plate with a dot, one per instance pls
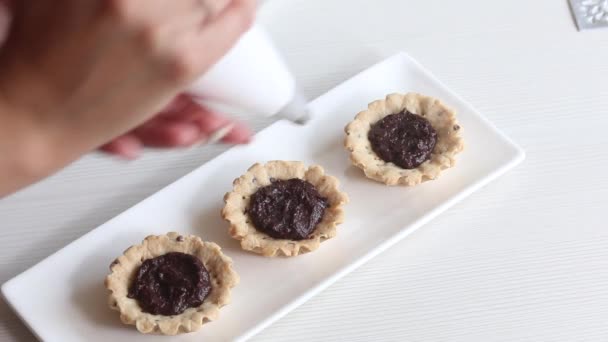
(63, 297)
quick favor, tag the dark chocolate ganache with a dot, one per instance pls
(287, 209)
(169, 284)
(405, 139)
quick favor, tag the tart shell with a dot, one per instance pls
(442, 118)
(260, 175)
(124, 268)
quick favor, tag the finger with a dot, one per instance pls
(127, 146)
(158, 12)
(176, 106)
(183, 108)
(209, 46)
(215, 7)
(190, 15)
(168, 133)
(240, 134)
(161, 23)
(214, 125)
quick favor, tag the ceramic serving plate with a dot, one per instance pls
(63, 297)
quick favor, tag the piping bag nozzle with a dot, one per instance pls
(297, 110)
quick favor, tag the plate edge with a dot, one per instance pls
(515, 161)
(4, 292)
(519, 157)
(443, 86)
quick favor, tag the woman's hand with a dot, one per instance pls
(182, 123)
(76, 74)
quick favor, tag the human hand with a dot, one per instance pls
(79, 73)
(182, 123)
(83, 72)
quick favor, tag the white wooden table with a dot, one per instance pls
(526, 258)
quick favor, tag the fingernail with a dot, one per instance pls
(131, 152)
(220, 133)
(128, 148)
(216, 136)
(239, 135)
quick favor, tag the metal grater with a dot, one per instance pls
(590, 14)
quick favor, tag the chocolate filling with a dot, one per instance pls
(171, 283)
(287, 209)
(405, 139)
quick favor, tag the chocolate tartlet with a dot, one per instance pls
(170, 284)
(282, 208)
(405, 139)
